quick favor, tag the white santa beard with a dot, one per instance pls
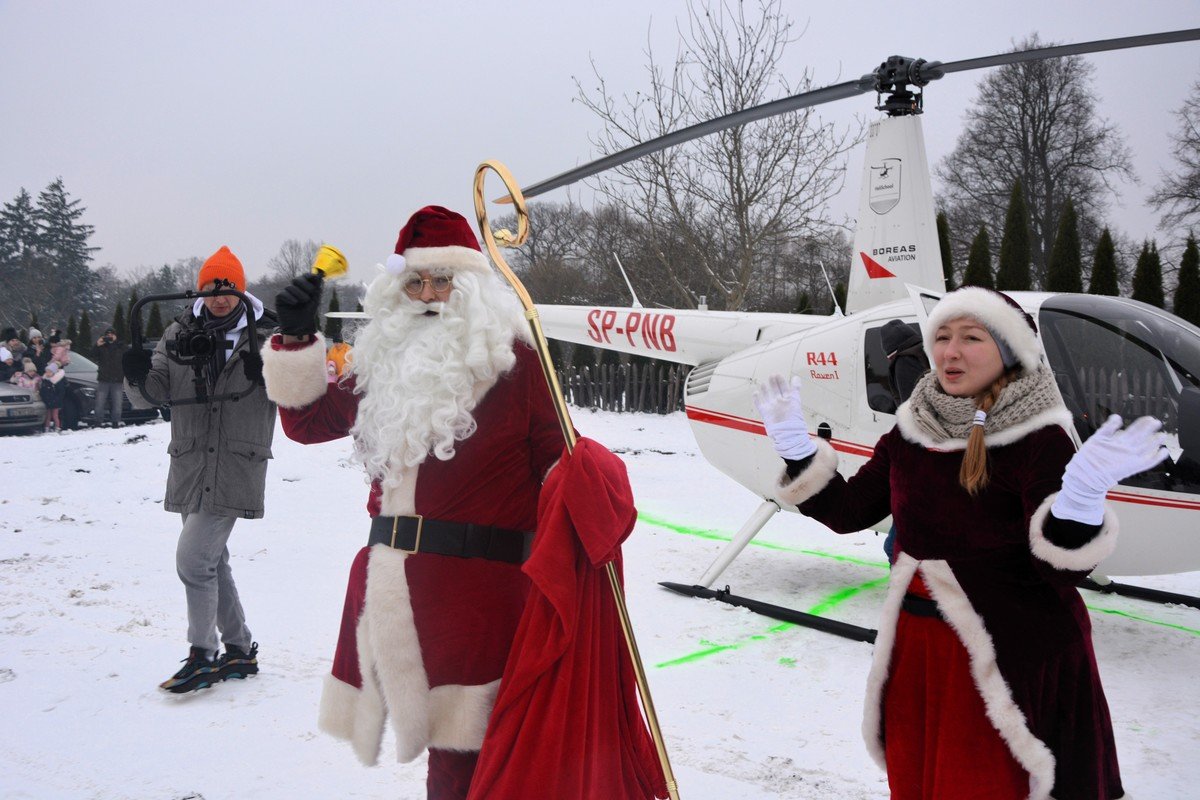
(422, 375)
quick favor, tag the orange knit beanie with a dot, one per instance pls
(222, 265)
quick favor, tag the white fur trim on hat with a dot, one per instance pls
(295, 378)
(1083, 558)
(997, 316)
(815, 477)
(395, 264)
(451, 257)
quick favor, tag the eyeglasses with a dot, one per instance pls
(440, 283)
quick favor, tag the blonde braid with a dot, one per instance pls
(973, 475)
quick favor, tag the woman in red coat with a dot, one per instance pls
(984, 682)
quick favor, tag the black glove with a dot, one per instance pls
(296, 306)
(136, 366)
(252, 367)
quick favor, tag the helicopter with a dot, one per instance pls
(1108, 354)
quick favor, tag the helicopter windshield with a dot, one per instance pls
(1117, 356)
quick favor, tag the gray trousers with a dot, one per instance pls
(202, 561)
(109, 395)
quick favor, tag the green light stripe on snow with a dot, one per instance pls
(820, 607)
(1139, 618)
(830, 601)
(710, 534)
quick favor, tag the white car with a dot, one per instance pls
(21, 410)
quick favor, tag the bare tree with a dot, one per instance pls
(293, 259)
(1178, 195)
(1035, 122)
(708, 210)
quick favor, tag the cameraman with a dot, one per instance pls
(109, 354)
(219, 451)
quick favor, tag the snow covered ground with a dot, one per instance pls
(92, 619)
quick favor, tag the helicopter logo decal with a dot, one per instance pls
(885, 186)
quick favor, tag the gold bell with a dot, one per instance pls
(330, 262)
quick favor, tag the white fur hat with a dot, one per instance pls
(1012, 328)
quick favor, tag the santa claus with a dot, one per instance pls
(451, 418)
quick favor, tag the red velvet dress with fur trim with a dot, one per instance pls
(424, 638)
(1006, 592)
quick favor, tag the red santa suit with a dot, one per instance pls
(424, 637)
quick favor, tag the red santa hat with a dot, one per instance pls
(436, 238)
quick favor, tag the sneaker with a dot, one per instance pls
(237, 663)
(198, 672)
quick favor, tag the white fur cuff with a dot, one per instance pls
(1079, 558)
(458, 715)
(344, 715)
(295, 378)
(815, 477)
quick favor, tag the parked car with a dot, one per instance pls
(20, 409)
(79, 408)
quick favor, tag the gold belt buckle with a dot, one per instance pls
(395, 529)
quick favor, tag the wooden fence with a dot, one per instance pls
(1131, 393)
(655, 387)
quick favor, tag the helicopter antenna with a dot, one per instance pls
(836, 307)
(636, 303)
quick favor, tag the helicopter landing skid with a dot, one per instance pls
(782, 613)
(1140, 592)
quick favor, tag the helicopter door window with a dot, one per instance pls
(879, 394)
(1113, 356)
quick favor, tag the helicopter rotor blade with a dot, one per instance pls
(796, 102)
(922, 74)
(1081, 48)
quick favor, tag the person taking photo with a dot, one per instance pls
(219, 451)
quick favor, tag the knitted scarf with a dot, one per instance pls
(220, 325)
(944, 417)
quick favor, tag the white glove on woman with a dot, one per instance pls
(1109, 456)
(778, 404)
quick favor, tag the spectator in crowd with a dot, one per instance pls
(38, 350)
(109, 378)
(7, 363)
(54, 393)
(14, 344)
(28, 378)
(60, 351)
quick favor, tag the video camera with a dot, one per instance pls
(191, 347)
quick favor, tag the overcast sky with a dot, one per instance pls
(186, 126)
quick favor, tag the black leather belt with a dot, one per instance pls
(416, 534)
(921, 606)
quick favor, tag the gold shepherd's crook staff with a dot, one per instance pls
(507, 239)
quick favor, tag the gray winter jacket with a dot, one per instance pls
(219, 450)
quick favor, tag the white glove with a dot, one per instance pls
(1108, 457)
(779, 406)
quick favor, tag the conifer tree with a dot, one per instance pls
(18, 226)
(979, 262)
(1012, 272)
(83, 342)
(804, 304)
(839, 295)
(1064, 272)
(333, 325)
(72, 330)
(1104, 267)
(154, 325)
(943, 232)
(63, 239)
(1187, 294)
(1147, 276)
(118, 322)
